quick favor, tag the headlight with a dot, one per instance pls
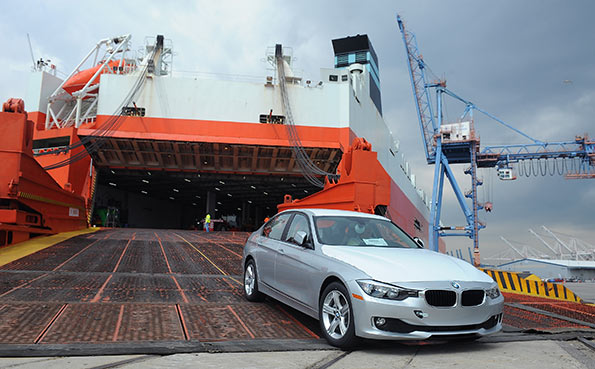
(493, 292)
(386, 291)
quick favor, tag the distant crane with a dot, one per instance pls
(525, 252)
(456, 143)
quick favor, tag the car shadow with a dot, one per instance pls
(421, 347)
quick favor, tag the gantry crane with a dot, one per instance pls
(457, 143)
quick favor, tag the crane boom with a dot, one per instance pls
(423, 103)
(524, 254)
(557, 239)
(581, 149)
(556, 252)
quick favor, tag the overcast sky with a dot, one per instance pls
(531, 63)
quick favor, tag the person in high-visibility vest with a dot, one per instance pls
(207, 222)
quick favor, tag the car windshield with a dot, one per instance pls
(361, 231)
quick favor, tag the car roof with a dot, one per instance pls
(333, 212)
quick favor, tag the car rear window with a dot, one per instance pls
(360, 232)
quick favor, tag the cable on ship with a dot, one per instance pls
(309, 170)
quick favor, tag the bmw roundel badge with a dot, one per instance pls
(455, 285)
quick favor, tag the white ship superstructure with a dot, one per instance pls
(235, 130)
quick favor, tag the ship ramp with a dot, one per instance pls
(150, 291)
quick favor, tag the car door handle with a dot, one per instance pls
(281, 251)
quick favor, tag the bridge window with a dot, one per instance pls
(361, 57)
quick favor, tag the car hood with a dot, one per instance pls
(405, 265)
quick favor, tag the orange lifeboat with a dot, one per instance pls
(79, 80)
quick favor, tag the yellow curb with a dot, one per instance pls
(14, 252)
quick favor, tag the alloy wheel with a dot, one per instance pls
(335, 314)
(249, 279)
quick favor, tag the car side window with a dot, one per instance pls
(299, 223)
(274, 228)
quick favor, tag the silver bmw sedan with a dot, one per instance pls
(360, 275)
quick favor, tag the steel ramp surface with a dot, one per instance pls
(130, 285)
(148, 289)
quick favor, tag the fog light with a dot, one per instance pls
(420, 314)
(379, 322)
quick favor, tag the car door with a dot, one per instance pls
(295, 268)
(269, 242)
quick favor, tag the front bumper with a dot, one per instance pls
(414, 319)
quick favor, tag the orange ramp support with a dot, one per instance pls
(362, 185)
(31, 201)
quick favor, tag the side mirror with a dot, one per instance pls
(300, 238)
(419, 242)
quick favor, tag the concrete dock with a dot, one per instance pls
(528, 355)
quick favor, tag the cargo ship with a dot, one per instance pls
(146, 147)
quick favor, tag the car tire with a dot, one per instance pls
(251, 283)
(335, 315)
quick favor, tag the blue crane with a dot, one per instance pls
(457, 143)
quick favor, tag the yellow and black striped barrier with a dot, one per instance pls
(514, 283)
(91, 201)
